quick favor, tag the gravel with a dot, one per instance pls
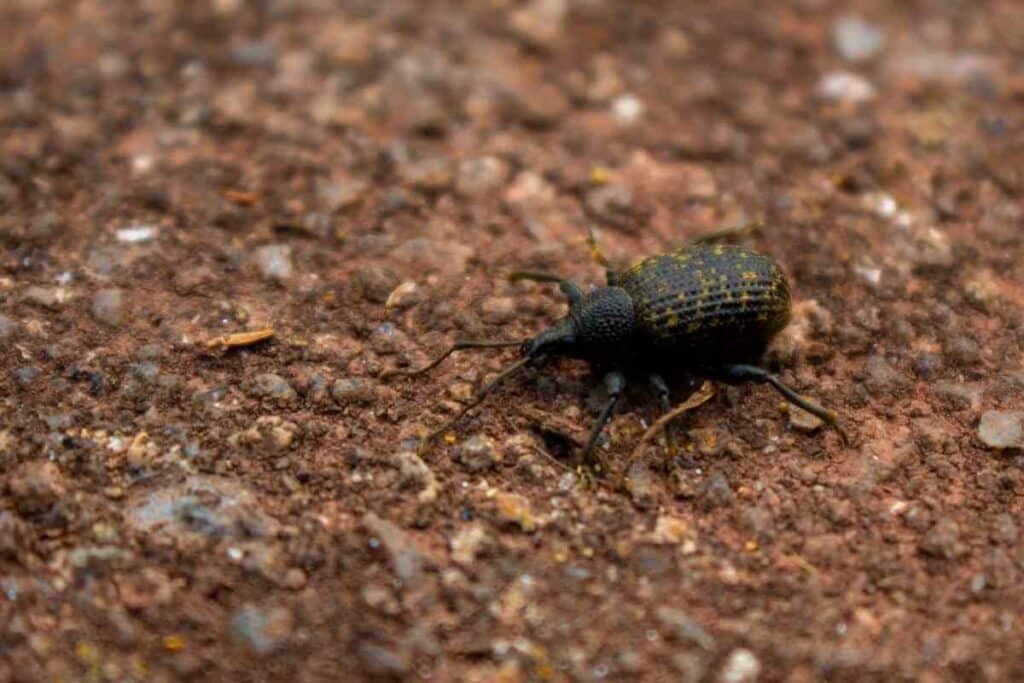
(1001, 429)
(108, 306)
(272, 386)
(262, 630)
(477, 453)
(856, 41)
(274, 261)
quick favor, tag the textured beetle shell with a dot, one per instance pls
(717, 302)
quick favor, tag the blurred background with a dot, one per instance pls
(351, 181)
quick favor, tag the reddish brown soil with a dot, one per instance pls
(361, 176)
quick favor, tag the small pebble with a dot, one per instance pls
(405, 295)
(803, 421)
(742, 666)
(477, 453)
(383, 662)
(682, 627)
(339, 196)
(270, 385)
(25, 375)
(274, 261)
(108, 306)
(351, 390)
(498, 310)
(139, 234)
(715, 491)
(7, 327)
(406, 558)
(421, 256)
(541, 106)
(516, 509)
(855, 40)
(627, 109)
(1002, 429)
(843, 86)
(262, 631)
(942, 540)
(376, 283)
(476, 177)
(433, 174)
(46, 297)
(539, 23)
(612, 204)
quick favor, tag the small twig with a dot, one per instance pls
(240, 339)
(697, 399)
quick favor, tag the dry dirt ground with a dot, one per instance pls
(361, 176)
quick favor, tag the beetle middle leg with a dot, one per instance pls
(660, 386)
(752, 373)
(615, 383)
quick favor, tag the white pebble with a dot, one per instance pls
(741, 667)
(138, 234)
(844, 86)
(627, 108)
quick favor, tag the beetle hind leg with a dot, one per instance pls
(752, 373)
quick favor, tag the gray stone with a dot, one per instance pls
(45, 297)
(612, 204)
(476, 177)
(855, 40)
(375, 283)
(715, 491)
(421, 256)
(406, 558)
(270, 385)
(1002, 429)
(108, 306)
(680, 626)
(498, 310)
(261, 630)
(383, 661)
(477, 453)
(339, 196)
(274, 261)
(942, 540)
(349, 390)
(25, 375)
(7, 327)
(198, 509)
(433, 174)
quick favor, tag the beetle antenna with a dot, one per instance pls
(595, 250)
(479, 398)
(457, 346)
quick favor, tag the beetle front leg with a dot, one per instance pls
(615, 383)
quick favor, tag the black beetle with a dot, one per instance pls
(701, 312)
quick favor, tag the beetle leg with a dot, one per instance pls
(660, 386)
(615, 383)
(460, 345)
(752, 373)
(571, 290)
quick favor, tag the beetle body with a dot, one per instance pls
(694, 306)
(701, 312)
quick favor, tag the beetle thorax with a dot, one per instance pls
(604, 320)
